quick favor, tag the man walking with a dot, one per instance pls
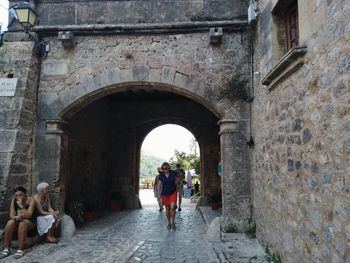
(180, 176)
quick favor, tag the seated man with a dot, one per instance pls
(48, 219)
(21, 219)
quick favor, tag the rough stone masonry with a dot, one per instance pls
(301, 126)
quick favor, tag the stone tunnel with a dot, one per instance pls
(104, 139)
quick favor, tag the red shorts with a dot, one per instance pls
(168, 199)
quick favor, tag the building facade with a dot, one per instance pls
(268, 97)
(301, 120)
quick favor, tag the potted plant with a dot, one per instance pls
(89, 212)
(116, 202)
(76, 211)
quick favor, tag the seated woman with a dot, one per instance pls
(22, 220)
(47, 219)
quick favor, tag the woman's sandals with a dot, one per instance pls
(18, 254)
(171, 226)
(4, 253)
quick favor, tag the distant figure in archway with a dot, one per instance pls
(180, 174)
(157, 193)
(167, 179)
(189, 179)
(196, 187)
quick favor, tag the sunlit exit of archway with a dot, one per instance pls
(173, 144)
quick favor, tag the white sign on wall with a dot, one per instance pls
(8, 87)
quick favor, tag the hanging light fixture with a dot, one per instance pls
(26, 15)
(28, 18)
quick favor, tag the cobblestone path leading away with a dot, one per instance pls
(131, 236)
(141, 236)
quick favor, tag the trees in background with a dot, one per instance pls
(148, 167)
(149, 164)
(186, 160)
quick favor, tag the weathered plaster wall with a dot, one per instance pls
(17, 121)
(302, 130)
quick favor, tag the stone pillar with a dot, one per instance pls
(48, 163)
(235, 179)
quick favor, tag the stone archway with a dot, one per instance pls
(56, 108)
(53, 105)
(104, 140)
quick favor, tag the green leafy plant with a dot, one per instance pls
(272, 258)
(186, 160)
(252, 259)
(251, 232)
(76, 211)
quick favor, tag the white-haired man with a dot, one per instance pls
(48, 218)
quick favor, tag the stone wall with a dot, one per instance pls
(17, 121)
(302, 130)
(87, 168)
(187, 54)
(137, 11)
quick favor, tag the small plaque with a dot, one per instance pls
(8, 87)
(55, 68)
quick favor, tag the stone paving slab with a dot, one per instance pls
(232, 247)
(238, 248)
(209, 214)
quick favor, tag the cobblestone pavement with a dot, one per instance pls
(142, 236)
(131, 236)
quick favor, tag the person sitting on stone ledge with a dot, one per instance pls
(48, 219)
(21, 219)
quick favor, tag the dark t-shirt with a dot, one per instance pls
(181, 176)
(169, 186)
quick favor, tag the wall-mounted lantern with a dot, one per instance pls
(28, 17)
(25, 14)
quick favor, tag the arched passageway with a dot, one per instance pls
(103, 142)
